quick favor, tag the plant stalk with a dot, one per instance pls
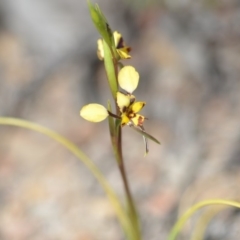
(131, 209)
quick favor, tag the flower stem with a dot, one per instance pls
(116, 139)
(131, 209)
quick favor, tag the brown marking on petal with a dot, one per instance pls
(132, 99)
(120, 43)
(140, 121)
(124, 109)
(132, 115)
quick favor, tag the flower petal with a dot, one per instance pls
(100, 51)
(123, 101)
(123, 53)
(138, 120)
(137, 106)
(122, 49)
(125, 119)
(117, 37)
(128, 78)
(94, 112)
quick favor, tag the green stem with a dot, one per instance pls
(131, 209)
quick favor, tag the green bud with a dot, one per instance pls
(101, 23)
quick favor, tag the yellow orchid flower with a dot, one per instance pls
(128, 79)
(121, 48)
(129, 109)
(129, 114)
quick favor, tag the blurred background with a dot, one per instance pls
(188, 56)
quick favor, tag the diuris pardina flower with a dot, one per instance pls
(121, 48)
(128, 79)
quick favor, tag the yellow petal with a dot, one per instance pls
(94, 112)
(125, 119)
(100, 52)
(137, 106)
(123, 53)
(138, 120)
(128, 78)
(117, 37)
(122, 49)
(123, 101)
